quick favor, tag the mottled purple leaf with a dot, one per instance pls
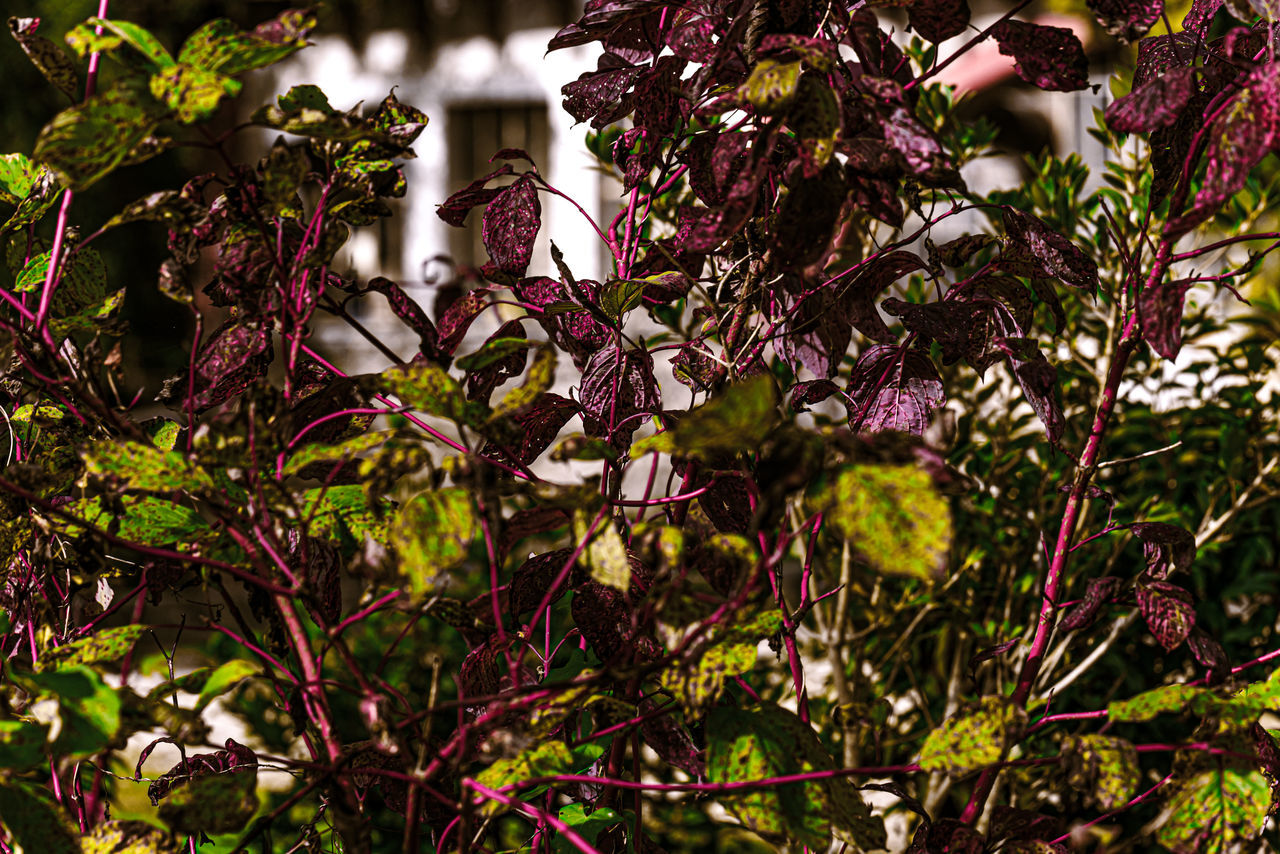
(601, 19)
(539, 425)
(807, 393)
(615, 386)
(1169, 611)
(918, 146)
(1099, 592)
(235, 355)
(938, 20)
(660, 100)
(727, 503)
(1155, 104)
(1160, 309)
(878, 197)
(513, 154)
(893, 389)
(497, 367)
(1166, 547)
(610, 619)
(408, 311)
(875, 49)
(1039, 381)
(816, 336)
(455, 208)
(1268, 754)
(946, 835)
(1009, 824)
(1210, 654)
(1049, 58)
(577, 332)
(318, 563)
(856, 298)
(718, 223)
(1127, 20)
(818, 53)
(457, 320)
(533, 579)
(671, 741)
(694, 367)
(511, 223)
(1059, 257)
(1200, 15)
(602, 95)
(1244, 131)
(989, 653)
(235, 758)
(528, 523)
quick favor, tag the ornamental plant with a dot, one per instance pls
(911, 522)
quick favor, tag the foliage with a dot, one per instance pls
(897, 541)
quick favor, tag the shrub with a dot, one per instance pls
(896, 483)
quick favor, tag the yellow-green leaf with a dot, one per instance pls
(973, 738)
(432, 535)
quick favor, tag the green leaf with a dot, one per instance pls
(772, 85)
(748, 745)
(606, 554)
(83, 710)
(697, 683)
(304, 110)
(86, 142)
(222, 47)
(106, 645)
(493, 350)
(127, 837)
(17, 177)
(541, 376)
(341, 513)
(1104, 767)
(115, 34)
(51, 60)
(146, 520)
(738, 419)
(341, 452)
(427, 387)
(432, 535)
(283, 172)
(167, 206)
(34, 822)
(90, 318)
(587, 825)
(973, 738)
(164, 433)
(548, 759)
(193, 94)
(1220, 809)
(618, 296)
(1168, 698)
(892, 514)
(145, 467)
(83, 280)
(43, 193)
(22, 744)
(226, 677)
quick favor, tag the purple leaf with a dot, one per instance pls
(718, 223)
(918, 146)
(232, 358)
(1059, 257)
(877, 196)
(806, 219)
(1049, 58)
(1015, 825)
(807, 393)
(1099, 592)
(1210, 654)
(540, 423)
(455, 208)
(946, 835)
(1155, 104)
(513, 154)
(1244, 131)
(876, 51)
(511, 223)
(1200, 15)
(818, 53)
(615, 386)
(1166, 547)
(955, 253)
(714, 161)
(1039, 381)
(602, 95)
(660, 102)
(896, 390)
(1169, 611)
(816, 336)
(319, 564)
(610, 619)
(938, 20)
(409, 312)
(600, 19)
(988, 654)
(1268, 755)
(856, 299)
(235, 758)
(1127, 20)
(457, 320)
(671, 741)
(577, 332)
(727, 503)
(534, 578)
(528, 523)
(1160, 309)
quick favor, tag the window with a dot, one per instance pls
(477, 131)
